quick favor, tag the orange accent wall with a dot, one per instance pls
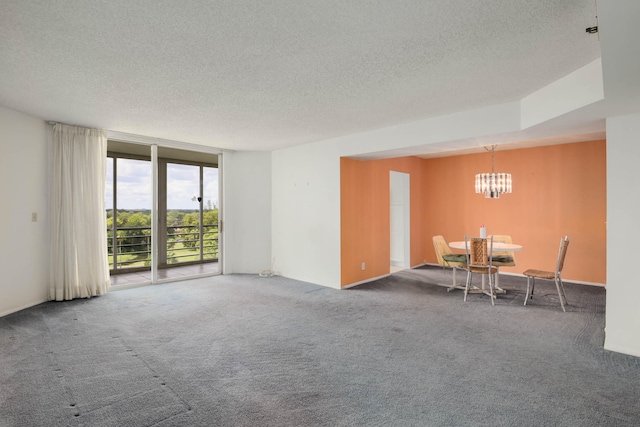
(364, 215)
(557, 190)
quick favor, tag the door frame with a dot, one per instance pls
(154, 144)
(400, 196)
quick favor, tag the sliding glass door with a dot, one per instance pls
(128, 203)
(186, 234)
(192, 213)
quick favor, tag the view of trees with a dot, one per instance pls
(183, 243)
(182, 229)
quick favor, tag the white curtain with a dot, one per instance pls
(79, 263)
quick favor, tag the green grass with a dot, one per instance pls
(142, 260)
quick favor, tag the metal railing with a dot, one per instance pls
(185, 243)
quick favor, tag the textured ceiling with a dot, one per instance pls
(260, 75)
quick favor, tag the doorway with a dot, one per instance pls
(399, 220)
(185, 231)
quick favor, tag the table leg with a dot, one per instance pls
(496, 283)
(496, 288)
(455, 282)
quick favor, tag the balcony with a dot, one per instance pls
(185, 244)
(176, 272)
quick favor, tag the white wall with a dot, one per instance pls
(24, 245)
(306, 186)
(618, 23)
(247, 212)
(306, 213)
(621, 74)
(572, 92)
(622, 332)
(306, 179)
(434, 134)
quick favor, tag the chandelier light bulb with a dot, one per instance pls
(495, 183)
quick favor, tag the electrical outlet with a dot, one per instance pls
(34, 216)
(363, 266)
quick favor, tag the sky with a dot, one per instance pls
(135, 185)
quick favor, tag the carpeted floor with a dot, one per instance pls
(242, 350)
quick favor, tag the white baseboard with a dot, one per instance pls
(13, 310)
(376, 278)
(365, 281)
(507, 273)
(577, 282)
(620, 348)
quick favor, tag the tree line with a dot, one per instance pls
(133, 228)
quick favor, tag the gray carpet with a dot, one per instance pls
(242, 350)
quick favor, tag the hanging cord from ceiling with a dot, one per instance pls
(493, 151)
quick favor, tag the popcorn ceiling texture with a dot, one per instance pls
(261, 75)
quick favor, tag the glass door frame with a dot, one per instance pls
(116, 157)
(163, 209)
(154, 144)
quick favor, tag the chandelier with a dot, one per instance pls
(495, 183)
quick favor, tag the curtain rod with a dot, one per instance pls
(53, 123)
(150, 140)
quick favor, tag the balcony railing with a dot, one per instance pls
(184, 244)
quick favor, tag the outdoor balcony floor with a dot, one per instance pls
(181, 272)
